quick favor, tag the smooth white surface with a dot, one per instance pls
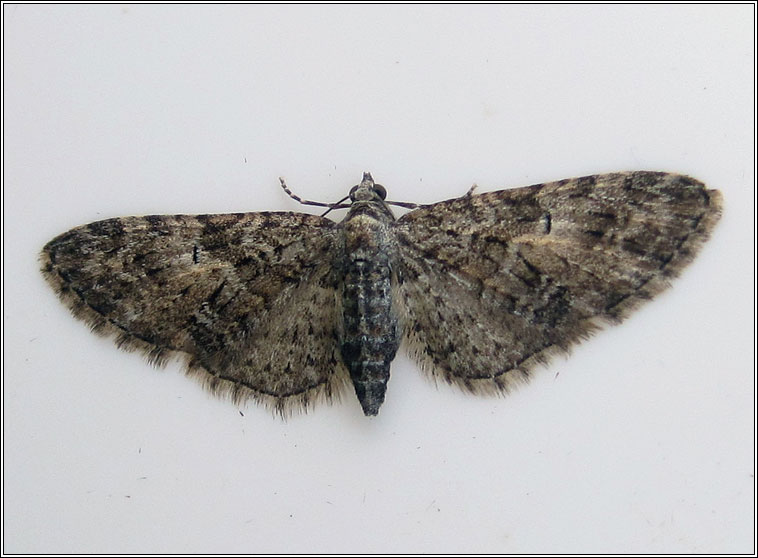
(641, 441)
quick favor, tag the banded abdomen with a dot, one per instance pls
(370, 334)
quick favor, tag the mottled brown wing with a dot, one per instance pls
(491, 284)
(250, 298)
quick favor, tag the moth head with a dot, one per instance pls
(367, 190)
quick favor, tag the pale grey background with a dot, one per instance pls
(642, 441)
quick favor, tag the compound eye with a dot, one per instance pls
(380, 190)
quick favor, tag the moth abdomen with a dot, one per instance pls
(370, 337)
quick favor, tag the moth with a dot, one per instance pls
(289, 308)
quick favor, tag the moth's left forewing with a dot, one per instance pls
(248, 299)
